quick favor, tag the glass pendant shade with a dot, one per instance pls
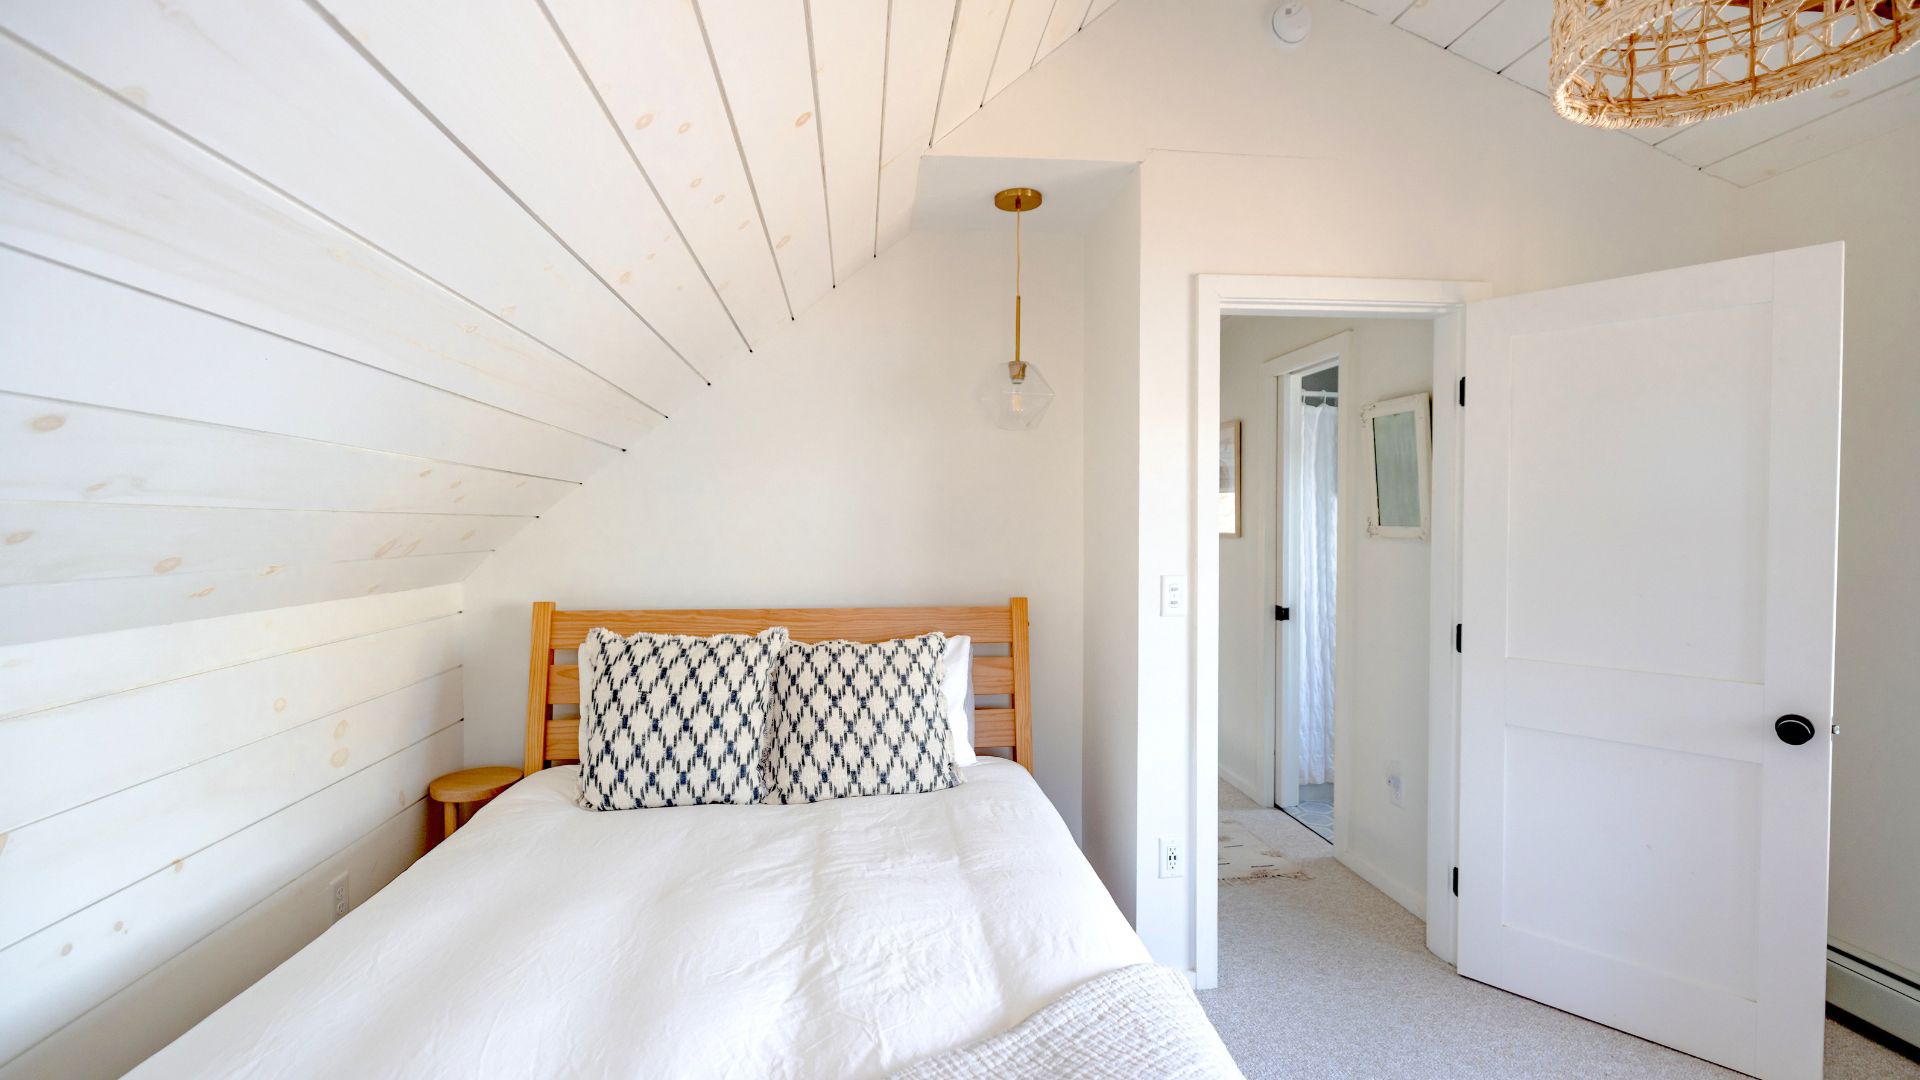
(1019, 397)
(1665, 63)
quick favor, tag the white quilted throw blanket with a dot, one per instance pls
(1138, 1021)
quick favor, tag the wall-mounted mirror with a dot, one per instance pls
(1399, 443)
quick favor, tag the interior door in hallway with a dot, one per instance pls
(1650, 482)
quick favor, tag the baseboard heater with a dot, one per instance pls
(1864, 989)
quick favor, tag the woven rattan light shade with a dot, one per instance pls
(1662, 63)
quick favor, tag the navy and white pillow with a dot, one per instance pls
(851, 719)
(670, 720)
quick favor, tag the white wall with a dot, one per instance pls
(175, 802)
(1876, 817)
(854, 466)
(1366, 153)
(1382, 648)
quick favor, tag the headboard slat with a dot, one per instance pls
(554, 740)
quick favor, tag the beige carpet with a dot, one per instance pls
(1246, 857)
(1326, 977)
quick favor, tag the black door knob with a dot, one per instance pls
(1793, 729)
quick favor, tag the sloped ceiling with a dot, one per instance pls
(1509, 37)
(313, 300)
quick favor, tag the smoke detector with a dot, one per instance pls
(1291, 22)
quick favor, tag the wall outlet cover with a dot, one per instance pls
(1173, 861)
(1173, 596)
(338, 895)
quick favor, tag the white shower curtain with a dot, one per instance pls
(1315, 513)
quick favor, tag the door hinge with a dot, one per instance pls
(1456, 637)
(1281, 614)
(1463, 392)
(1456, 881)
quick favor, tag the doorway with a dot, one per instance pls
(1308, 554)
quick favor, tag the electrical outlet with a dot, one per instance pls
(1173, 861)
(1173, 596)
(339, 888)
(1396, 788)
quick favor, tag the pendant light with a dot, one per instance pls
(1664, 63)
(1019, 395)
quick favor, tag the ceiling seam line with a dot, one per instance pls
(880, 144)
(1524, 53)
(224, 667)
(328, 715)
(946, 65)
(163, 298)
(633, 155)
(279, 435)
(1085, 14)
(1797, 127)
(97, 901)
(268, 509)
(486, 170)
(181, 134)
(820, 141)
(1455, 40)
(999, 43)
(740, 148)
(1041, 40)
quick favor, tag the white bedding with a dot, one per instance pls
(840, 939)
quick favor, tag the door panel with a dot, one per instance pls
(1648, 538)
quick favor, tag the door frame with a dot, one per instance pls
(1286, 370)
(1217, 295)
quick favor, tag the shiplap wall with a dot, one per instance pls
(174, 802)
(305, 309)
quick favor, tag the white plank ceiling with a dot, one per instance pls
(1509, 38)
(323, 298)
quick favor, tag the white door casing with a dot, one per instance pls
(1648, 553)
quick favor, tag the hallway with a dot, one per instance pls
(1327, 977)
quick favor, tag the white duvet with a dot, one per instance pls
(841, 939)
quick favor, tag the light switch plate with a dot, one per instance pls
(1173, 596)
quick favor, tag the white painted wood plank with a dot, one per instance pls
(1722, 137)
(1654, 136)
(92, 183)
(120, 1032)
(1025, 23)
(650, 67)
(60, 971)
(68, 336)
(44, 542)
(1864, 119)
(760, 51)
(916, 52)
(60, 452)
(850, 53)
(1062, 23)
(1508, 33)
(1441, 21)
(495, 73)
(73, 608)
(46, 675)
(1530, 70)
(1386, 9)
(977, 37)
(62, 864)
(56, 759)
(272, 87)
(1096, 9)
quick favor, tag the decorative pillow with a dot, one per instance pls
(850, 719)
(668, 720)
(956, 689)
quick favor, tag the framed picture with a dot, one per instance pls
(1230, 523)
(1398, 438)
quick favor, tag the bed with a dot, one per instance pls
(855, 937)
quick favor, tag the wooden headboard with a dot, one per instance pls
(555, 740)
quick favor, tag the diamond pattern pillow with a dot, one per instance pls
(850, 719)
(668, 720)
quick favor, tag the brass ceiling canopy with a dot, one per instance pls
(1017, 200)
(1665, 63)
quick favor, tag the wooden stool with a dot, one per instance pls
(469, 787)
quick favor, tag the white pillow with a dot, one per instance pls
(956, 691)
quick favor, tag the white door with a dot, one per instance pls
(1648, 535)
